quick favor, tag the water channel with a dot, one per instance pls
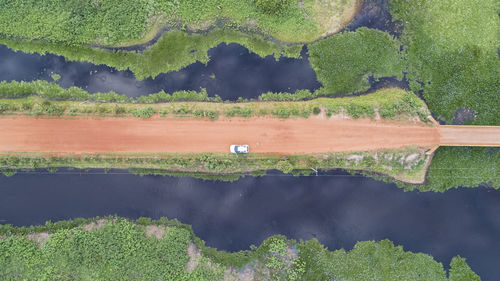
(232, 72)
(336, 208)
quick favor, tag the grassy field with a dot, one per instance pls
(112, 22)
(451, 49)
(119, 249)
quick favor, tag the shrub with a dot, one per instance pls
(213, 163)
(199, 113)
(72, 111)
(316, 110)
(282, 112)
(305, 113)
(212, 115)
(101, 110)
(359, 110)
(285, 166)
(4, 107)
(298, 95)
(182, 111)
(144, 112)
(163, 112)
(28, 105)
(119, 110)
(51, 109)
(238, 111)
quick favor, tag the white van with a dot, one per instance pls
(237, 149)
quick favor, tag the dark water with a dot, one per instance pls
(232, 72)
(337, 209)
(375, 14)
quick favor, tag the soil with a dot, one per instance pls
(264, 135)
(94, 225)
(194, 257)
(233, 274)
(39, 238)
(157, 231)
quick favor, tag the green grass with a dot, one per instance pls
(451, 51)
(121, 250)
(344, 61)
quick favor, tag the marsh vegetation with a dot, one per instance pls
(116, 248)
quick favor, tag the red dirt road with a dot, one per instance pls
(264, 135)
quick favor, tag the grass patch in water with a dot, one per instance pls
(344, 61)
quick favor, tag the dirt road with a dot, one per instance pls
(264, 135)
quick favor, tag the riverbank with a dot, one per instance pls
(276, 258)
(406, 165)
(40, 98)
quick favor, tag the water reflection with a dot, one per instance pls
(335, 208)
(232, 72)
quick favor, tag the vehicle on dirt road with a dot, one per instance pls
(239, 149)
